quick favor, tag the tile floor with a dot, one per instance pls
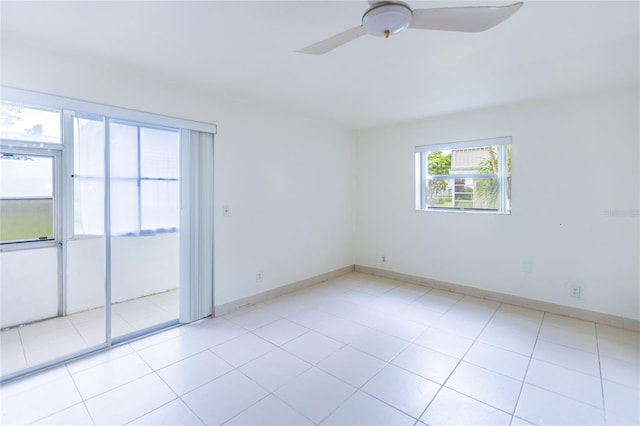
(356, 350)
(33, 344)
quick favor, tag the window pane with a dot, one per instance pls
(486, 194)
(88, 148)
(26, 219)
(88, 206)
(25, 176)
(124, 150)
(26, 197)
(29, 124)
(160, 204)
(438, 163)
(482, 159)
(463, 193)
(508, 183)
(124, 207)
(160, 153)
(88, 183)
(439, 193)
(460, 175)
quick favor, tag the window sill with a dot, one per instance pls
(471, 211)
(27, 245)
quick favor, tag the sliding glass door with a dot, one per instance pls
(135, 270)
(84, 246)
(105, 227)
(144, 226)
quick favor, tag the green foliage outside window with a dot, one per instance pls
(438, 164)
(486, 191)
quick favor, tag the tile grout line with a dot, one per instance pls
(209, 349)
(604, 406)
(153, 371)
(553, 362)
(359, 389)
(269, 392)
(461, 358)
(372, 309)
(177, 398)
(389, 362)
(80, 394)
(356, 389)
(24, 352)
(303, 372)
(73, 324)
(82, 401)
(524, 378)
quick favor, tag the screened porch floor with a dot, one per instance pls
(36, 343)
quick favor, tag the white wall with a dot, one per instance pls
(285, 178)
(28, 286)
(289, 185)
(574, 160)
(140, 266)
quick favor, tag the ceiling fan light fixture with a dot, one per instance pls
(386, 19)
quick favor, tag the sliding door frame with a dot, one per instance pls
(64, 190)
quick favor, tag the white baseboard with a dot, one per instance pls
(554, 308)
(229, 307)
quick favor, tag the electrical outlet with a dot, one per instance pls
(226, 210)
(383, 259)
(575, 291)
(259, 277)
(527, 267)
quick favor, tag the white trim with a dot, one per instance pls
(461, 210)
(107, 233)
(502, 178)
(420, 192)
(466, 176)
(227, 308)
(476, 143)
(539, 305)
(42, 99)
(57, 198)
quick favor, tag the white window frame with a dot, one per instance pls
(139, 230)
(140, 177)
(422, 177)
(42, 149)
(20, 148)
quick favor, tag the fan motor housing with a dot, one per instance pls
(386, 18)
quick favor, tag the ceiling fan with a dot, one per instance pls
(386, 18)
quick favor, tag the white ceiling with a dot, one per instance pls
(245, 50)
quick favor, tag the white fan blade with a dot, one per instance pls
(468, 19)
(332, 42)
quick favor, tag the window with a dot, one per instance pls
(31, 124)
(31, 138)
(26, 197)
(69, 135)
(145, 169)
(469, 176)
(88, 176)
